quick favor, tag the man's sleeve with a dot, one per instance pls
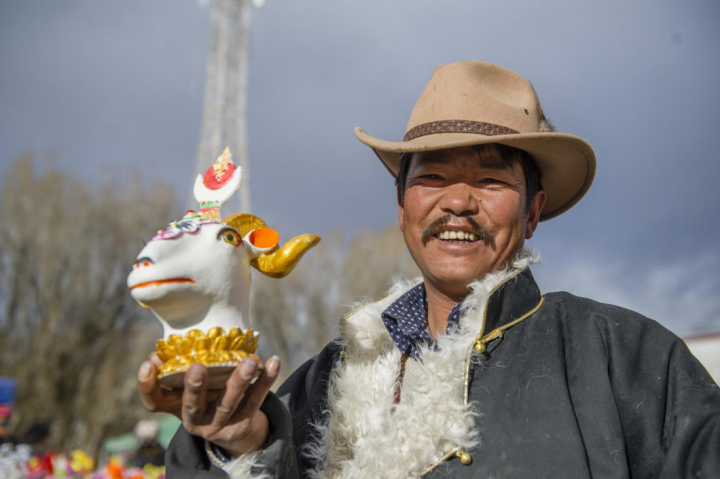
(668, 404)
(691, 432)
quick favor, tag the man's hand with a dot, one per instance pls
(230, 419)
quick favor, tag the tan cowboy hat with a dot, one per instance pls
(473, 103)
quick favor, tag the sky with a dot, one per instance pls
(110, 89)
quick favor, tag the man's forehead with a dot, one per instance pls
(487, 157)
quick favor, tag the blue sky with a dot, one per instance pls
(107, 88)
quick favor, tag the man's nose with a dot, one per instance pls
(459, 200)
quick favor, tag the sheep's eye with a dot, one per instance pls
(231, 237)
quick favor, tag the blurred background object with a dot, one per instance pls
(706, 347)
(7, 397)
(108, 106)
(70, 335)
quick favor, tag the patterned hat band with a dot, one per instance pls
(458, 126)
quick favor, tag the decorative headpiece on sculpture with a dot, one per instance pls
(195, 277)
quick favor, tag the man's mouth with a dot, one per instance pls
(456, 236)
(455, 233)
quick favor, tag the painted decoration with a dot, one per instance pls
(195, 277)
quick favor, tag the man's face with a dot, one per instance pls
(464, 215)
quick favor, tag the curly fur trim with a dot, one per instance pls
(245, 466)
(367, 435)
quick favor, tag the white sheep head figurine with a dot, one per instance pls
(195, 275)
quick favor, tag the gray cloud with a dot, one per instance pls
(106, 86)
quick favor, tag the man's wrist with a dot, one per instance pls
(252, 442)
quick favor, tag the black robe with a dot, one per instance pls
(578, 389)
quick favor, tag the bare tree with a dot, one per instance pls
(299, 314)
(373, 261)
(70, 333)
(296, 314)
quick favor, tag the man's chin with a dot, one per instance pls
(457, 266)
(455, 278)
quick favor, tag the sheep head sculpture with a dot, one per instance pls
(195, 277)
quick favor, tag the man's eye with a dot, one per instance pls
(431, 176)
(491, 181)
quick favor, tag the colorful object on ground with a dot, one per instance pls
(195, 277)
(19, 463)
(81, 462)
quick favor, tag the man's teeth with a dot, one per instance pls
(456, 235)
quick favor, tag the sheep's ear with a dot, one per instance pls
(261, 241)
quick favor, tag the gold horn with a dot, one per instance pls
(244, 222)
(282, 261)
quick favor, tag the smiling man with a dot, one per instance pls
(470, 371)
(445, 196)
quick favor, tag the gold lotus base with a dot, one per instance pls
(218, 351)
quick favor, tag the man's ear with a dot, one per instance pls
(533, 216)
(401, 212)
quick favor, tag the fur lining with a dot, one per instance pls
(242, 467)
(367, 435)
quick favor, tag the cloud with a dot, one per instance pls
(117, 86)
(680, 294)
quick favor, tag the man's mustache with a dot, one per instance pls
(481, 233)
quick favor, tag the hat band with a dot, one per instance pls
(458, 126)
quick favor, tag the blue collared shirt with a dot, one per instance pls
(406, 321)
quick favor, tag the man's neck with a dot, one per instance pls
(439, 307)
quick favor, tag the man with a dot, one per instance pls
(472, 372)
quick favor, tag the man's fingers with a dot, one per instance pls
(155, 359)
(194, 400)
(154, 398)
(235, 388)
(256, 394)
(150, 393)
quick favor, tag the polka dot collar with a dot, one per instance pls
(406, 321)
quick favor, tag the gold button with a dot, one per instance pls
(479, 347)
(465, 458)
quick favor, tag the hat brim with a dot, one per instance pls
(567, 162)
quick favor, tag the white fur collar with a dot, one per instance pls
(367, 435)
